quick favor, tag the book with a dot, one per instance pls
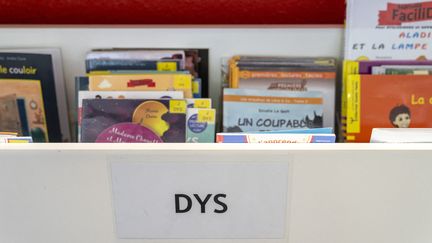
(132, 59)
(388, 30)
(133, 121)
(247, 110)
(324, 130)
(351, 67)
(274, 138)
(200, 125)
(192, 60)
(122, 95)
(387, 101)
(401, 135)
(30, 92)
(295, 80)
(45, 66)
(142, 82)
(11, 137)
(401, 70)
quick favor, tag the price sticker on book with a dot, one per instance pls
(207, 115)
(182, 82)
(167, 66)
(202, 103)
(178, 106)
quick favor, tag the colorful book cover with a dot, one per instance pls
(365, 67)
(274, 138)
(133, 121)
(43, 65)
(31, 92)
(142, 82)
(247, 110)
(122, 95)
(200, 125)
(387, 101)
(388, 30)
(324, 82)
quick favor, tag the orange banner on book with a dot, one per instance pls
(282, 75)
(273, 100)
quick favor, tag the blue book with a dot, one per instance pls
(324, 130)
(274, 138)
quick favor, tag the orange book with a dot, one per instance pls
(387, 101)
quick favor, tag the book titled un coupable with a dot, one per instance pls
(246, 110)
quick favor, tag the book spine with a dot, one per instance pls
(149, 65)
(274, 138)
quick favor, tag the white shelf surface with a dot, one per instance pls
(338, 193)
(264, 148)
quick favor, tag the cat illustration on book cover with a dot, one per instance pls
(316, 122)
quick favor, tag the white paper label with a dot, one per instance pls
(200, 200)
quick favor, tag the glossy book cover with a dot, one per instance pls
(133, 121)
(387, 101)
(246, 110)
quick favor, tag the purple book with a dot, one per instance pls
(133, 121)
(365, 67)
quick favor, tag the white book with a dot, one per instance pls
(401, 135)
(388, 29)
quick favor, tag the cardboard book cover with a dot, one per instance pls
(45, 66)
(30, 105)
(324, 82)
(133, 121)
(387, 101)
(247, 110)
(142, 82)
(388, 29)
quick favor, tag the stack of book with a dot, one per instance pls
(144, 96)
(387, 80)
(278, 94)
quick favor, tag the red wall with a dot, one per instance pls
(172, 11)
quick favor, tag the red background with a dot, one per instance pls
(172, 12)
